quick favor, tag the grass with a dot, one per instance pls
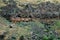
(2, 4)
(4, 25)
(21, 28)
(37, 1)
(29, 1)
(57, 24)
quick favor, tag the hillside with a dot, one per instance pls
(45, 23)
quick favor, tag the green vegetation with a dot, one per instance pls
(32, 30)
